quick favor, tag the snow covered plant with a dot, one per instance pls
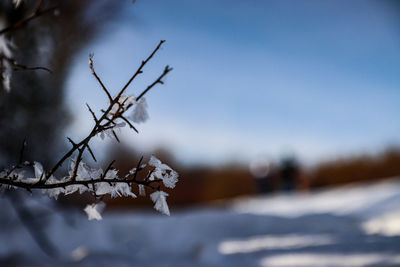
(82, 178)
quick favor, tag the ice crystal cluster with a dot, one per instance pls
(139, 114)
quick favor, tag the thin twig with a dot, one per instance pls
(107, 170)
(92, 112)
(129, 123)
(138, 168)
(18, 66)
(91, 153)
(115, 135)
(139, 70)
(98, 78)
(159, 80)
(37, 13)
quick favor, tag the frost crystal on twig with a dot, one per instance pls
(93, 211)
(123, 102)
(109, 132)
(164, 172)
(142, 190)
(38, 168)
(160, 203)
(114, 190)
(140, 113)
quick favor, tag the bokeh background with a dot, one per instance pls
(281, 117)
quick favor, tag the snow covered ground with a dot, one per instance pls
(356, 225)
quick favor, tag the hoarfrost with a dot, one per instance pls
(164, 172)
(160, 203)
(93, 211)
(142, 190)
(38, 168)
(109, 132)
(140, 112)
(114, 189)
(124, 101)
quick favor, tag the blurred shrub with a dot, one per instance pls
(355, 169)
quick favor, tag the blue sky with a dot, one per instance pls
(318, 79)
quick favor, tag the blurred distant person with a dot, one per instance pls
(289, 172)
